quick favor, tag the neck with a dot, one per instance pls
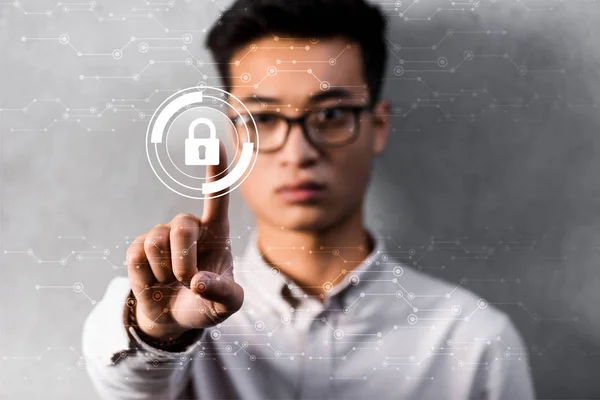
(316, 260)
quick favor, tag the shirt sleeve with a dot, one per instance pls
(506, 374)
(120, 364)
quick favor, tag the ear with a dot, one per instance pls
(381, 126)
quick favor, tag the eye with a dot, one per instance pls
(330, 114)
(242, 119)
(265, 119)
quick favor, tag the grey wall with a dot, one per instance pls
(498, 165)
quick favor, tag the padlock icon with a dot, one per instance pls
(202, 151)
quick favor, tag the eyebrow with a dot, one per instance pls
(336, 93)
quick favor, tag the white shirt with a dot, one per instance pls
(384, 331)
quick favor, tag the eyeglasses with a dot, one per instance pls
(323, 127)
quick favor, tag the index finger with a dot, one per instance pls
(217, 206)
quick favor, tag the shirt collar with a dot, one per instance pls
(253, 273)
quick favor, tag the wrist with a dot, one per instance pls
(156, 331)
(173, 338)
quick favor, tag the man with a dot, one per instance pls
(317, 307)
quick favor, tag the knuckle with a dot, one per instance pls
(136, 258)
(134, 247)
(183, 218)
(152, 253)
(160, 227)
(184, 231)
(162, 242)
(157, 241)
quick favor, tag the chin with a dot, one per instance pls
(306, 219)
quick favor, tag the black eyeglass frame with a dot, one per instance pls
(356, 110)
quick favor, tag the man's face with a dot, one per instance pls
(302, 187)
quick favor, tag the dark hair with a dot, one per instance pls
(248, 20)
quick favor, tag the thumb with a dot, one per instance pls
(219, 289)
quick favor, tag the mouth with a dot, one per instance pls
(301, 191)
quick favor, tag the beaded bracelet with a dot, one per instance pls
(172, 345)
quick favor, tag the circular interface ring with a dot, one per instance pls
(194, 98)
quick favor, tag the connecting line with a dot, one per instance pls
(77, 287)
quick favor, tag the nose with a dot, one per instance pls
(298, 151)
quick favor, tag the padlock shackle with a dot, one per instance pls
(202, 121)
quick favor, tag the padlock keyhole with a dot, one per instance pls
(202, 152)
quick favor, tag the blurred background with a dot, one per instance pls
(491, 177)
